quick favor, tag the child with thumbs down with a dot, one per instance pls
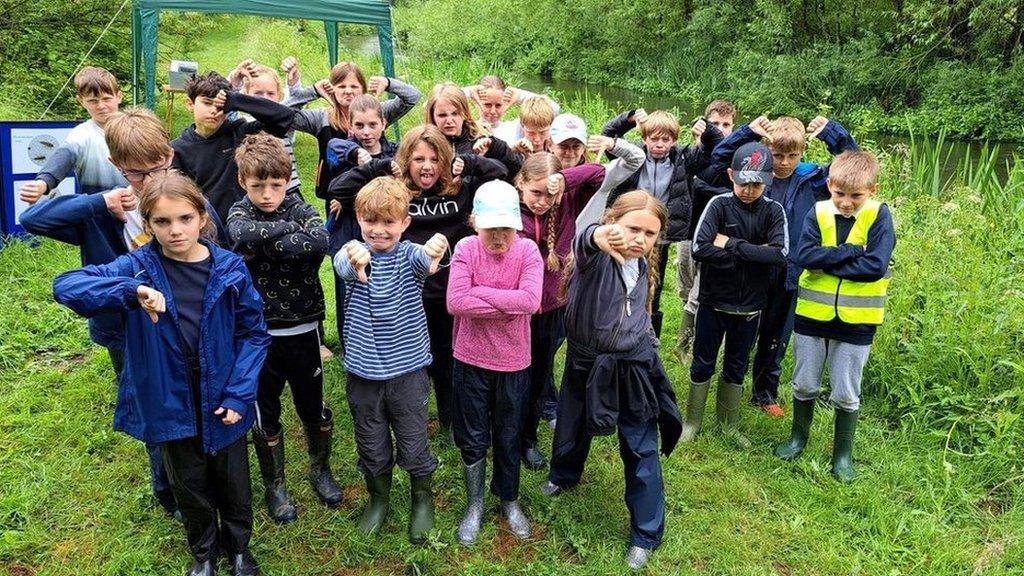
(194, 342)
(387, 351)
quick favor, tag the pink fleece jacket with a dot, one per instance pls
(492, 297)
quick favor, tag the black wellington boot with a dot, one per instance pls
(202, 568)
(319, 437)
(270, 454)
(244, 565)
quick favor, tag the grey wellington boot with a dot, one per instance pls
(475, 475)
(517, 521)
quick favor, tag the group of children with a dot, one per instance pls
(464, 255)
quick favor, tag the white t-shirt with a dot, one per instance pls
(134, 232)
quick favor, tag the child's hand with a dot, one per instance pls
(458, 165)
(482, 146)
(760, 126)
(523, 146)
(359, 258)
(639, 115)
(556, 184)
(816, 126)
(152, 301)
(325, 90)
(242, 73)
(227, 415)
(334, 208)
(396, 170)
(31, 192)
(509, 97)
(474, 95)
(129, 201)
(220, 100)
(611, 240)
(435, 249)
(362, 156)
(598, 144)
(377, 85)
(116, 201)
(290, 66)
(698, 129)
(720, 240)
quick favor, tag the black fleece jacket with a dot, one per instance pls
(211, 161)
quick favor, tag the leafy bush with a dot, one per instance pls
(873, 65)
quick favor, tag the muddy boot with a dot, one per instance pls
(842, 446)
(319, 437)
(694, 410)
(421, 517)
(684, 344)
(475, 475)
(379, 490)
(803, 413)
(727, 411)
(517, 521)
(270, 454)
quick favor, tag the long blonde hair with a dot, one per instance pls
(452, 94)
(624, 204)
(434, 138)
(540, 166)
(339, 118)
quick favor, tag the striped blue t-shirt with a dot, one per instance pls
(385, 326)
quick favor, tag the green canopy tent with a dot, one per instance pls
(146, 22)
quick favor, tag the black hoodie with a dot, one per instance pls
(211, 161)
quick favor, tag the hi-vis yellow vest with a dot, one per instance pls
(822, 296)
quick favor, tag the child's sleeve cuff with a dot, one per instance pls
(234, 404)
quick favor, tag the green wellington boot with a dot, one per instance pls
(694, 410)
(727, 411)
(684, 344)
(803, 413)
(421, 517)
(842, 446)
(376, 511)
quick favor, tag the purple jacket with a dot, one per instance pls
(581, 183)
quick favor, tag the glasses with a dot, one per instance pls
(136, 177)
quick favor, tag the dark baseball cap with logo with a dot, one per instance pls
(752, 164)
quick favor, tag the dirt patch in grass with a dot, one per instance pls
(782, 569)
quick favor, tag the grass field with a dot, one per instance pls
(74, 495)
